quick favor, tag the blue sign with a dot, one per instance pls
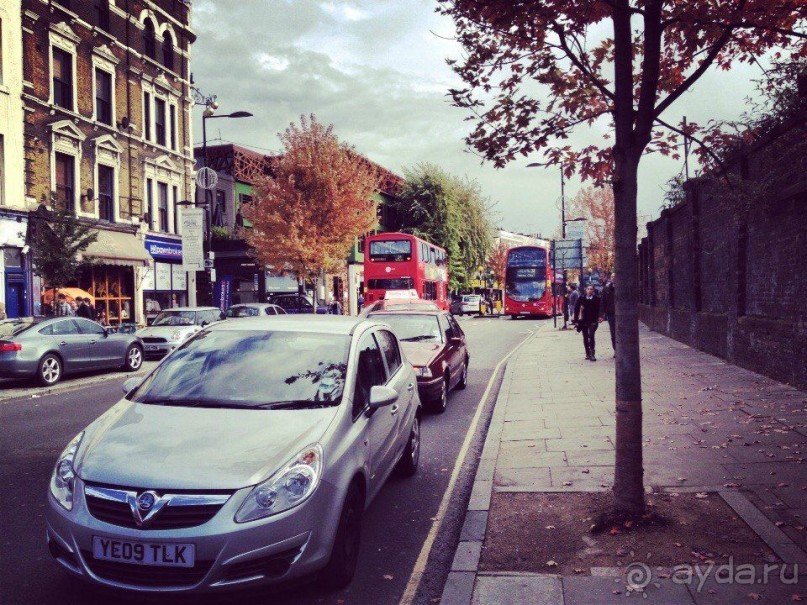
(223, 292)
(164, 248)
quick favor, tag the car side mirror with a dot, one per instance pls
(132, 383)
(382, 396)
(455, 340)
(204, 323)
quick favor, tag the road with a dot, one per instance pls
(395, 526)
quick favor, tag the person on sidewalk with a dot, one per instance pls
(83, 309)
(587, 318)
(63, 307)
(574, 296)
(608, 300)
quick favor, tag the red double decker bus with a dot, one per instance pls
(399, 261)
(528, 283)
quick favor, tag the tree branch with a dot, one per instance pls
(578, 62)
(702, 144)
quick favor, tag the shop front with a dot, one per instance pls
(165, 283)
(14, 266)
(113, 275)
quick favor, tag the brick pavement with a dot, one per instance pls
(708, 426)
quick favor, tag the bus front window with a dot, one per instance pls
(525, 284)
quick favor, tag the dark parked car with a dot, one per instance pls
(296, 303)
(253, 310)
(435, 345)
(47, 349)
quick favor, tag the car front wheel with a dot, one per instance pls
(464, 376)
(134, 359)
(439, 405)
(50, 370)
(345, 552)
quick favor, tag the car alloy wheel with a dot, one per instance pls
(50, 370)
(345, 552)
(134, 358)
(464, 377)
(408, 464)
(440, 404)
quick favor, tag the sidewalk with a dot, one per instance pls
(709, 428)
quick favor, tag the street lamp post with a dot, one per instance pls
(210, 104)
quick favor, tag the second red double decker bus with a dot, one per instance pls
(400, 261)
(528, 283)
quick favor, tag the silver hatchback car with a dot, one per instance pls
(246, 458)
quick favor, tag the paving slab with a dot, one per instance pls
(589, 590)
(520, 589)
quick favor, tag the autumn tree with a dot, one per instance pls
(534, 72)
(449, 212)
(596, 205)
(57, 238)
(318, 200)
(497, 261)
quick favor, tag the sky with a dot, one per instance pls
(376, 70)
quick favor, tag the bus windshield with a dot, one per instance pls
(391, 250)
(525, 279)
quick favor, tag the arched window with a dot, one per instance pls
(149, 39)
(168, 51)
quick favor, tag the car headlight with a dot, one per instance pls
(289, 487)
(64, 475)
(424, 372)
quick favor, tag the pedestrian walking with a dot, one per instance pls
(567, 291)
(574, 296)
(587, 318)
(608, 308)
(361, 301)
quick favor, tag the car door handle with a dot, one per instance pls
(410, 388)
(394, 409)
(92, 342)
(63, 343)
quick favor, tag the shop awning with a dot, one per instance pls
(12, 232)
(116, 248)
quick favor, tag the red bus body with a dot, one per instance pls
(528, 283)
(399, 261)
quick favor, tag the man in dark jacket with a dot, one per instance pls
(83, 309)
(608, 299)
(587, 318)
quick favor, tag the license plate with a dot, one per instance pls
(151, 347)
(143, 553)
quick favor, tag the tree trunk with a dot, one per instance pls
(628, 472)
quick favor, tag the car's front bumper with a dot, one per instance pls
(160, 349)
(430, 389)
(228, 555)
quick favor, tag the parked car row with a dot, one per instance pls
(210, 475)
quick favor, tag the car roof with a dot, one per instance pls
(322, 324)
(193, 309)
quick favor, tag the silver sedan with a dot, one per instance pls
(246, 458)
(47, 349)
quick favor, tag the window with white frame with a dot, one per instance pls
(162, 209)
(106, 193)
(172, 126)
(159, 121)
(62, 78)
(150, 203)
(147, 116)
(175, 199)
(103, 96)
(65, 175)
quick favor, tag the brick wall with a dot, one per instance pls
(722, 271)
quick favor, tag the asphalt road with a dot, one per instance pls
(34, 431)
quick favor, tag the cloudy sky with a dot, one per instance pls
(376, 70)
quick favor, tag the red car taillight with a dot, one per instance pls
(10, 346)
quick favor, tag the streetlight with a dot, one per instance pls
(210, 104)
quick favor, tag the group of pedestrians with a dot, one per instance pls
(589, 310)
(79, 307)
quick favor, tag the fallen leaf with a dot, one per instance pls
(388, 576)
(567, 483)
(755, 596)
(551, 564)
(796, 597)
(701, 495)
(779, 523)
(550, 527)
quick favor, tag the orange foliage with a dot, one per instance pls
(306, 216)
(597, 205)
(497, 261)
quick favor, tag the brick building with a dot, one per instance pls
(107, 129)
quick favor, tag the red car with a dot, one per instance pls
(435, 344)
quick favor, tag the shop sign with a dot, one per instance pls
(164, 249)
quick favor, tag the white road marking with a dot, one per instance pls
(420, 564)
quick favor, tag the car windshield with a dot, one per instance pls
(175, 318)
(12, 327)
(413, 328)
(411, 306)
(472, 298)
(242, 312)
(251, 369)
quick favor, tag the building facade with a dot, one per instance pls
(107, 133)
(15, 274)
